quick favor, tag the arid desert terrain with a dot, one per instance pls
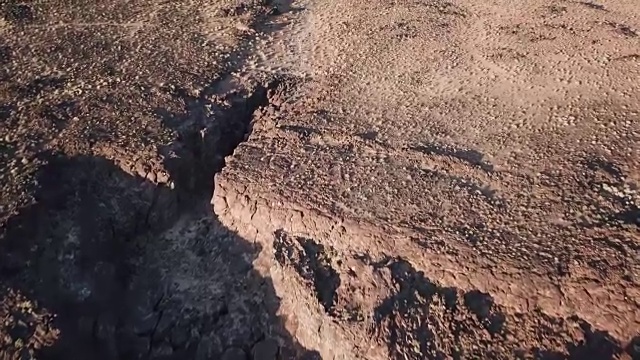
(319, 179)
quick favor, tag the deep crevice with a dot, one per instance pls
(86, 252)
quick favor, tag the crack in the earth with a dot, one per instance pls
(87, 260)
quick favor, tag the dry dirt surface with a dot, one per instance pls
(319, 179)
(450, 178)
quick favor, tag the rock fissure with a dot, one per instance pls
(146, 264)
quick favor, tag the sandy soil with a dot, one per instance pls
(393, 180)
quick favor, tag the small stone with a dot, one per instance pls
(234, 354)
(162, 177)
(265, 350)
(151, 176)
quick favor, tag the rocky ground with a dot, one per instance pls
(115, 117)
(393, 180)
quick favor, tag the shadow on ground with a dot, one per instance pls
(132, 270)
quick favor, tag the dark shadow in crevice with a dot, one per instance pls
(312, 262)
(133, 269)
(96, 251)
(208, 133)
